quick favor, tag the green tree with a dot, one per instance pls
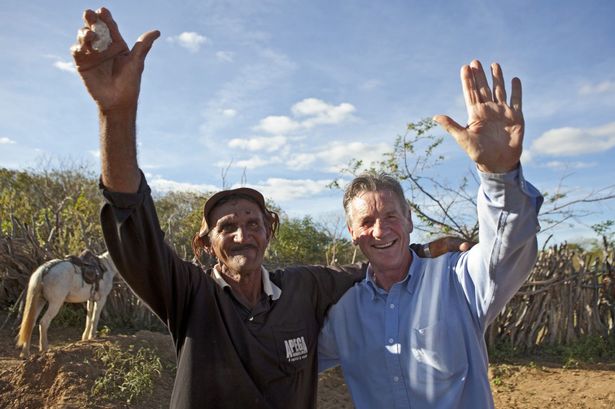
(180, 215)
(299, 241)
(56, 210)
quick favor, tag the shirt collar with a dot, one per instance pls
(406, 282)
(269, 287)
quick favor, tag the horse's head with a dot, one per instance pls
(105, 258)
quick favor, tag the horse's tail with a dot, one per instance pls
(33, 298)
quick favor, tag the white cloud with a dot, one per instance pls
(189, 40)
(339, 151)
(225, 56)
(162, 185)
(600, 88)
(559, 165)
(277, 125)
(318, 112)
(575, 141)
(301, 161)
(66, 66)
(268, 144)
(337, 155)
(526, 156)
(6, 141)
(321, 112)
(250, 163)
(229, 113)
(280, 190)
(265, 69)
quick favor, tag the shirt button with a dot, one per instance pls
(391, 340)
(396, 379)
(392, 306)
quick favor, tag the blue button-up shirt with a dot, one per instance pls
(421, 344)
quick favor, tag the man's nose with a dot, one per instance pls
(239, 235)
(378, 230)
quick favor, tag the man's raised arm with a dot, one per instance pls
(112, 77)
(507, 204)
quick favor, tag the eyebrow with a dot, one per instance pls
(230, 218)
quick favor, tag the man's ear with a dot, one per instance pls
(410, 220)
(207, 247)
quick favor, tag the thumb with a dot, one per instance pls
(144, 44)
(449, 125)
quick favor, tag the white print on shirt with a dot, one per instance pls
(296, 349)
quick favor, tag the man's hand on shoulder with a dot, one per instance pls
(440, 246)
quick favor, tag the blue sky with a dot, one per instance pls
(280, 94)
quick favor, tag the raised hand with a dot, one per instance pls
(113, 76)
(493, 137)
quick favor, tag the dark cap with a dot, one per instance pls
(211, 203)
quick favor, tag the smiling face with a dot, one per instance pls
(378, 223)
(239, 237)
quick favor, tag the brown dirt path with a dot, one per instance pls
(63, 377)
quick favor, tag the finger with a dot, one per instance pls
(480, 81)
(89, 17)
(434, 248)
(499, 91)
(449, 125)
(85, 36)
(105, 15)
(466, 245)
(515, 94)
(470, 93)
(83, 46)
(144, 44)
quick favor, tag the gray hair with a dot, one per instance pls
(372, 181)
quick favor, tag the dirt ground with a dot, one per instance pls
(63, 378)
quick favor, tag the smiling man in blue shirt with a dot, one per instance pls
(411, 334)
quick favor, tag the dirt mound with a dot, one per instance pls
(64, 376)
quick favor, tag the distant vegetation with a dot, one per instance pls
(569, 296)
(49, 214)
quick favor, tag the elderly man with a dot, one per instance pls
(411, 334)
(245, 338)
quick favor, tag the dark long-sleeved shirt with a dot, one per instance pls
(228, 356)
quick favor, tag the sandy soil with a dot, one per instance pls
(63, 378)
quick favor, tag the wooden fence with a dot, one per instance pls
(567, 296)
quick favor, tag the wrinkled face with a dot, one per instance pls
(381, 228)
(239, 237)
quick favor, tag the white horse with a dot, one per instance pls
(59, 281)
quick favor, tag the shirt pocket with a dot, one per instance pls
(439, 352)
(294, 346)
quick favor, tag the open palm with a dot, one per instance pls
(493, 137)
